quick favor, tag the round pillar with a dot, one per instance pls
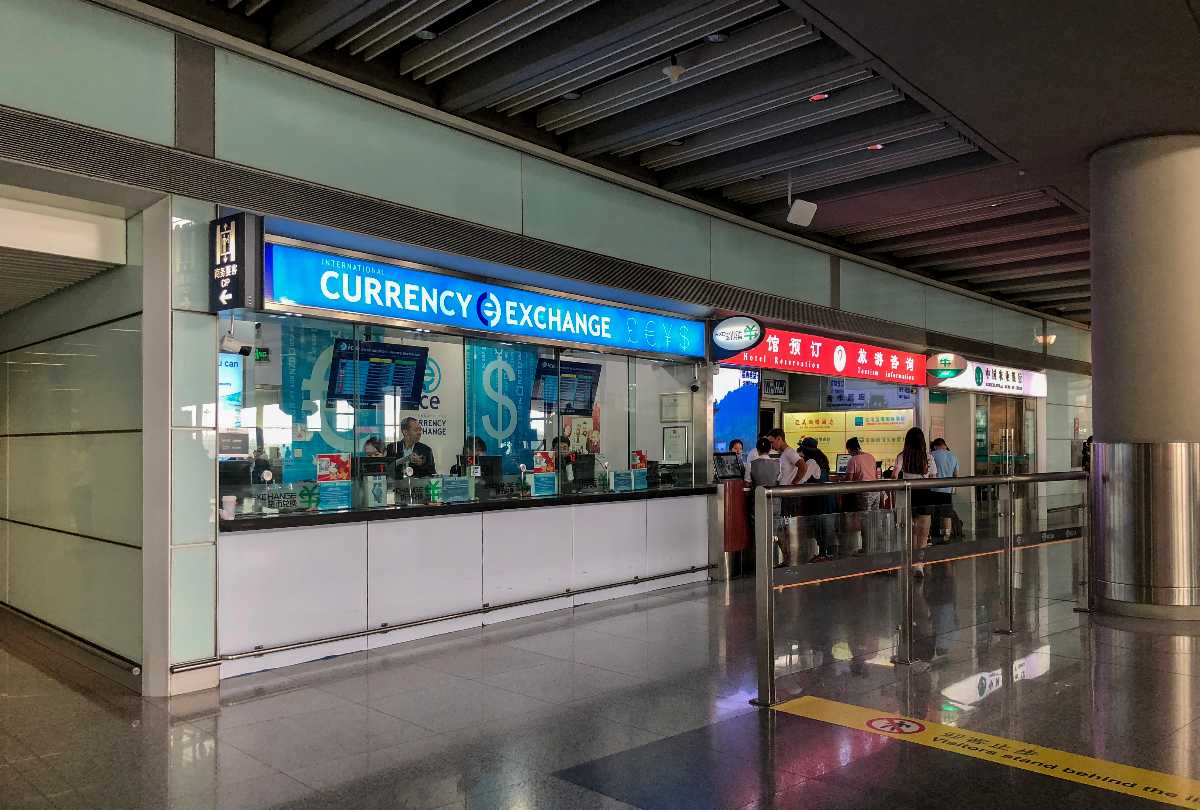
(1145, 235)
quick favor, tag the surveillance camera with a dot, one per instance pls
(231, 345)
(695, 386)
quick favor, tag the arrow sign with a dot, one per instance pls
(225, 297)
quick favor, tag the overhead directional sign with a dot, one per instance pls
(234, 247)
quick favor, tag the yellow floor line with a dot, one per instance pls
(1161, 787)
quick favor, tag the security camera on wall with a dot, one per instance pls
(801, 212)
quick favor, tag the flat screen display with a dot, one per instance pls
(571, 385)
(363, 372)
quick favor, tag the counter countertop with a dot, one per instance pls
(298, 519)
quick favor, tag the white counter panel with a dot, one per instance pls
(676, 534)
(286, 585)
(418, 568)
(526, 553)
(610, 543)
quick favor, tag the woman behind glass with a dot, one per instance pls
(821, 508)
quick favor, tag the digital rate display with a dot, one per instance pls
(364, 372)
(572, 386)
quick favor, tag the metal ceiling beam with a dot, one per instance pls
(1062, 264)
(500, 25)
(1051, 282)
(918, 222)
(792, 118)
(778, 154)
(851, 165)
(1027, 226)
(1085, 306)
(1042, 248)
(750, 45)
(302, 26)
(820, 67)
(417, 17)
(599, 42)
(1065, 294)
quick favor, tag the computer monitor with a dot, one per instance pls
(584, 470)
(492, 469)
(727, 466)
(843, 463)
(372, 465)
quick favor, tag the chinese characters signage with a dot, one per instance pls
(811, 354)
(881, 433)
(233, 251)
(998, 380)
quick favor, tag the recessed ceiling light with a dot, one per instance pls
(716, 36)
(570, 96)
(875, 147)
(426, 35)
(675, 142)
(818, 97)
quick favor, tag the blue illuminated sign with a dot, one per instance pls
(298, 276)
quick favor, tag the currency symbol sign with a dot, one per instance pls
(494, 375)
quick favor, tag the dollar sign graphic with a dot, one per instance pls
(494, 375)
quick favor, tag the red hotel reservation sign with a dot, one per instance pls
(812, 354)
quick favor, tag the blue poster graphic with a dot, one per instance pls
(499, 392)
(735, 408)
(325, 281)
(230, 384)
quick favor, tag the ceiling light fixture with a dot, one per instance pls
(715, 37)
(875, 147)
(800, 212)
(1046, 340)
(818, 97)
(425, 35)
(570, 95)
(675, 142)
(674, 71)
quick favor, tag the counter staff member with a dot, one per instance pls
(411, 451)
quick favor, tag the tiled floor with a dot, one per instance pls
(638, 702)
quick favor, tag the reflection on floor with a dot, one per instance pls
(637, 702)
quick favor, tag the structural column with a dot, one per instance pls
(1145, 204)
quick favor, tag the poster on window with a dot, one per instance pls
(499, 395)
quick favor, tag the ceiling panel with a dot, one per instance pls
(26, 276)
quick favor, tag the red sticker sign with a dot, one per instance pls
(801, 353)
(895, 725)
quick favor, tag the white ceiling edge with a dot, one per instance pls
(58, 231)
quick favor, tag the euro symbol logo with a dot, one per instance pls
(488, 309)
(495, 374)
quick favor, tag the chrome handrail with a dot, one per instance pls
(765, 557)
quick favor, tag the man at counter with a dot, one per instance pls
(411, 451)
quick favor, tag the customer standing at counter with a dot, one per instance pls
(411, 451)
(862, 467)
(916, 462)
(947, 467)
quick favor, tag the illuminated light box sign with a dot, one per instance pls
(989, 379)
(799, 353)
(302, 277)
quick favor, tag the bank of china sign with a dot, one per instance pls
(316, 280)
(987, 378)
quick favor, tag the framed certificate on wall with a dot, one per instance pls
(676, 407)
(675, 444)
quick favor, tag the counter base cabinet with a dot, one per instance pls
(292, 585)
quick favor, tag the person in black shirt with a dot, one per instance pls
(411, 451)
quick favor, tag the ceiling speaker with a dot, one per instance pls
(801, 213)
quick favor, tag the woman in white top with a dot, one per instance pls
(915, 462)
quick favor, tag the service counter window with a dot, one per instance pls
(327, 416)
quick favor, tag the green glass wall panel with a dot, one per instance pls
(193, 603)
(92, 589)
(868, 291)
(756, 261)
(1017, 329)
(585, 212)
(959, 315)
(86, 64)
(275, 120)
(1070, 342)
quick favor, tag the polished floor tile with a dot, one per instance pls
(636, 703)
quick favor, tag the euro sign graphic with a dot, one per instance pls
(495, 374)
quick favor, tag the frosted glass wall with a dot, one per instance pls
(71, 453)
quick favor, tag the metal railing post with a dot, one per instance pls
(903, 653)
(764, 596)
(1083, 599)
(1010, 564)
